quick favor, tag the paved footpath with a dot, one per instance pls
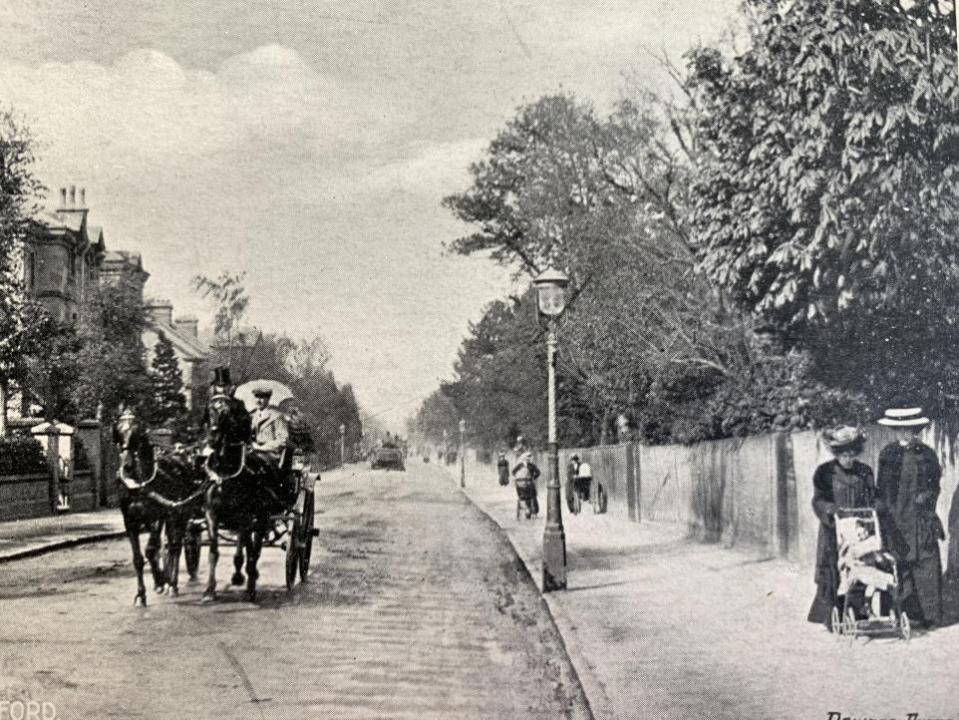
(36, 536)
(659, 627)
(416, 608)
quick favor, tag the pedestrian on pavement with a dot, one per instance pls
(908, 485)
(572, 468)
(526, 470)
(843, 482)
(502, 469)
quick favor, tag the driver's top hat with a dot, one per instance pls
(221, 376)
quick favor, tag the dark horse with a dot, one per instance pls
(157, 492)
(238, 499)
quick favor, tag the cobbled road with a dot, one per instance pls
(415, 607)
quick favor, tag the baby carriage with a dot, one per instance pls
(868, 593)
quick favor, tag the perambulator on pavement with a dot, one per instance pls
(868, 601)
(581, 488)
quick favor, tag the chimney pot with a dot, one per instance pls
(63, 197)
(73, 195)
(83, 197)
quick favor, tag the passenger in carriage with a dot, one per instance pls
(270, 438)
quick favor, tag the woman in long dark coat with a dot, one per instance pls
(908, 484)
(840, 483)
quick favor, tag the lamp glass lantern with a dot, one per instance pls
(551, 291)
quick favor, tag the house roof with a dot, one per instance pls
(72, 224)
(124, 257)
(189, 346)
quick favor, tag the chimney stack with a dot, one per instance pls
(63, 197)
(73, 196)
(160, 311)
(188, 325)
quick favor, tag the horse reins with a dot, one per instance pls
(135, 486)
(220, 478)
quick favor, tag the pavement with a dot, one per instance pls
(658, 626)
(27, 538)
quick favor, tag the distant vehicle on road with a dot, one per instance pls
(387, 456)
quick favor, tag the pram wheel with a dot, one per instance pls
(849, 626)
(835, 626)
(905, 629)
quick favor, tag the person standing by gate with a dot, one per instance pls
(908, 485)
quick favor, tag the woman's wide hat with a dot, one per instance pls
(904, 417)
(844, 437)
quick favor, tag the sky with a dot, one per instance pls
(309, 144)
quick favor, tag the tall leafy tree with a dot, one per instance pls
(229, 295)
(110, 362)
(166, 380)
(827, 189)
(21, 325)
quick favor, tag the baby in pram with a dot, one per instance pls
(862, 559)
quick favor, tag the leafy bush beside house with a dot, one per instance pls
(21, 456)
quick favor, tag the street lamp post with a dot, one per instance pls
(462, 453)
(342, 444)
(551, 296)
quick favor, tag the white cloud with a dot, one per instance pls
(147, 107)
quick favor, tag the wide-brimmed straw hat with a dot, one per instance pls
(844, 437)
(904, 417)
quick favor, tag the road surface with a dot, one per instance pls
(416, 607)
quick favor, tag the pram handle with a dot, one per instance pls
(855, 512)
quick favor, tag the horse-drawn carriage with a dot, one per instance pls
(290, 528)
(230, 492)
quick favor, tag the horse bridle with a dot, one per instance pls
(129, 482)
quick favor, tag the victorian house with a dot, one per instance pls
(64, 260)
(62, 256)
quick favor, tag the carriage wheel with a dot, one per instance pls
(293, 550)
(835, 626)
(905, 628)
(306, 551)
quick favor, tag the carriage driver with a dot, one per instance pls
(270, 437)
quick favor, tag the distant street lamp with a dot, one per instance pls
(446, 444)
(462, 453)
(342, 444)
(551, 295)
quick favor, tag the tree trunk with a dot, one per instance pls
(3, 408)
